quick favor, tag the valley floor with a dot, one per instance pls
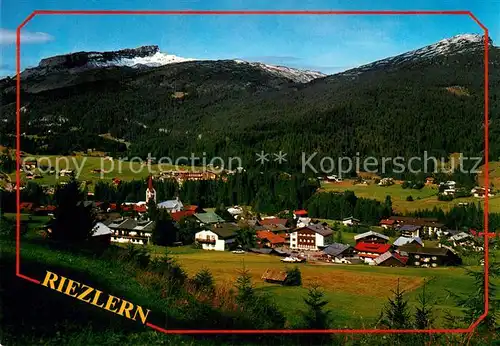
(356, 293)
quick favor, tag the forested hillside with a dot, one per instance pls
(390, 108)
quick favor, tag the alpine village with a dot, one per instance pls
(257, 243)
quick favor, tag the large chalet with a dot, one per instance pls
(217, 236)
(370, 245)
(131, 231)
(311, 237)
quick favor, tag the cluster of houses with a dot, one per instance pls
(301, 235)
(375, 249)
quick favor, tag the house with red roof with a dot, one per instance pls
(269, 239)
(369, 251)
(371, 237)
(140, 208)
(387, 223)
(274, 224)
(300, 213)
(194, 208)
(179, 215)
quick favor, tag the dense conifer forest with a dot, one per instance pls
(228, 109)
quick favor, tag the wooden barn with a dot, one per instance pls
(274, 276)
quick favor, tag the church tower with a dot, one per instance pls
(150, 191)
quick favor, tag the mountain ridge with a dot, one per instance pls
(146, 57)
(228, 108)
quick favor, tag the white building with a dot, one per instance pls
(131, 231)
(235, 211)
(218, 237)
(173, 205)
(310, 237)
(350, 221)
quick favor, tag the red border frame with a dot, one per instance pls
(486, 234)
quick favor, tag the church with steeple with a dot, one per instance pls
(150, 191)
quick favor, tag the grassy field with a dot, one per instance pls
(86, 164)
(426, 198)
(356, 293)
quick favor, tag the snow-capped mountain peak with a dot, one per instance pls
(146, 57)
(453, 45)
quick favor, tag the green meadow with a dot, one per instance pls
(356, 293)
(87, 166)
(426, 198)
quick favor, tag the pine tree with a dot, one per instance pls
(152, 210)
(164, 232)
(73, 221)
(316, 317)
(472, 305)
(424, 312)
(396, 314)
(244, 286)
(294, 277)
(338, 235)
(204, 280)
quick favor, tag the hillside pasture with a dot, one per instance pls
(425, 198)
(356, 293)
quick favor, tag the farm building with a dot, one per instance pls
(390, 259)
(208, 218)
(386, 223)
(101, 234)
(429, 256)
(427, 226)
(410, 231)
(338, 253)
(172, 205)
(274, 276)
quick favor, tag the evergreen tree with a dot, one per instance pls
(472, 305)
(188, 227)
(245, 291)
(424, 312)
(396, 314)
(152, 210)
(294, 277)
(164, 232)
(338, 234)
(246, 237)
(204, 280)
(73, 220)
(316, 317)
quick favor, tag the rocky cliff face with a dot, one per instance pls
(95, 58)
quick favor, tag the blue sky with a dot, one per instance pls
(324, 43)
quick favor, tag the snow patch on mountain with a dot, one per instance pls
(454, 45)
(144, 57)
(298, 76)
(155, 60)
